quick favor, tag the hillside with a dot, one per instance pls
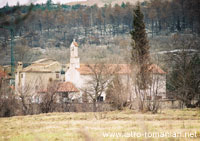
(101, 3)
(52, 28)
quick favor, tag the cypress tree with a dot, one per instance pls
(140, 55)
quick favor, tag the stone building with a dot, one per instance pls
(38, 74)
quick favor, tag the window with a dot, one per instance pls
(100, 98)
(57, 75)
(65, 97)
(62, 72)
(65, 94)
(50, 79)
(21, 75)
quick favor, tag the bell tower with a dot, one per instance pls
(74, 59)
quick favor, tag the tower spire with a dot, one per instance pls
(74, 58)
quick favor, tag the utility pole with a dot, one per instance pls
(11, 25)
(12, 58)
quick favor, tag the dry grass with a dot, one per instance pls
(85, 126)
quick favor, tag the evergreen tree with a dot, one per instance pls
(7, 5)
(123, 5)
(140, 49)
(49, 4)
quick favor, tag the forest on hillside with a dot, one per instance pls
(53, 25)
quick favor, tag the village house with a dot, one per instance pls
(35, 79)
(73, 78)
(37, 74)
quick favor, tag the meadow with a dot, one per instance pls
(115, 125)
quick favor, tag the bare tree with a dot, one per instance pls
(117, 94)
(25, 95)
(8, 103)
(49, 97)
(184, 74)
(21, 52)
(101, 76)
(155, 94)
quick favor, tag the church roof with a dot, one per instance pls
(75, 43)
(110, 68)
(114, 69)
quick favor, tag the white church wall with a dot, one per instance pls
(72, 75)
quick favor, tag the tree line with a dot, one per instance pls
(175, 15)
(91, 23)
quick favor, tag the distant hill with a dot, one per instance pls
(101, 3)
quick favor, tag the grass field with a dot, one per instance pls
(123, 125)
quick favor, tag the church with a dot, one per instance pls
(74, 78)
(81, 74)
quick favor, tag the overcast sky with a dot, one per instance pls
(23, 2)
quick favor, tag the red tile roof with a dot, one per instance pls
(67, 87)
(156, 69)
(115, 68)
(110, 68)
(63, 87)
(2, 74)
